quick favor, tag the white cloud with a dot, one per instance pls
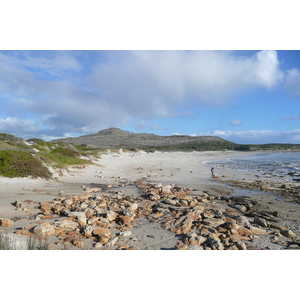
(257, 136)
(236, 122)
(18, 127)
(126, 86)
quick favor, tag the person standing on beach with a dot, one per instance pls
(212, 171)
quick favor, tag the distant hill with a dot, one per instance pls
(116, 138)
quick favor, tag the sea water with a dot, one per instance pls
(282, 164)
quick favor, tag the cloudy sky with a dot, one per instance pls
(242, 96)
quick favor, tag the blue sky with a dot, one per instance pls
(242, 96)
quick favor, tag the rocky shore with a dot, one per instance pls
(149, 210)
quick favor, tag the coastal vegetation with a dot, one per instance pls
(20, 158)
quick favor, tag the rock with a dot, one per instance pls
(214, 242)
(104, 239)
(242, 220)
(6, 222)
(111, 215)
(44, 229)
(214, 222)
(98, 245)
(262, 222)
(128, 212)
(288, 234)
(18, 204)
(183, 202)
(258, 231)
(88, 231)
(78, 242)
(186, 225)
(180, 246)
(166, 190)
(80, 216)
(241, 245)
(208, 214)
(242, 208)
(112, 242)
(125, 220)
(89, 213)
(195, 214)
(126, 233)
(171, 201)
(101, 231)
(134, 206)
(46, 208)
(158, 215)
(277, 226)
(67, 224)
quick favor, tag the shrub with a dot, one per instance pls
(21, 164)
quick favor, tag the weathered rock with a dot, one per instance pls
(180, 246)
(242, 208)
(214, 222)
(183, 202)
(214, 242)
(126, 233)
(195, 214)
(46, 208)
(44, 229)
(98, 246)
(258, 231)
(6, 222)
(18, 204)
(242, 220)
(262, 222)
(277, 226)
(125, 220)
(80, 216)
(288, 233)
(134, 206)
(78, 242)
(64, 223)
(88, 231)
(166, 190)
(208, 214)
(241, 245)
(158, 215)
(171, 201)
(128, 212)
(102, 231)
(112, 242)
(111, 215)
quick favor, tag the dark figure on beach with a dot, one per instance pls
(212, 171)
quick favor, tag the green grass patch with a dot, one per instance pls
(21, 164)
(62, 157)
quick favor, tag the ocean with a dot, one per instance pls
(285, 165)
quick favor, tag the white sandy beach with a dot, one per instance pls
(120, 170)
(182, 168)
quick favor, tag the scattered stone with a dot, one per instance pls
(6, 222)
(44, 229)
(262, 222)
(288, 234)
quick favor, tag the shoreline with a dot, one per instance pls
(118, 178)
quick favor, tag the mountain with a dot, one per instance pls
(116, 138)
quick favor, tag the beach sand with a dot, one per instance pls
(121, 170)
